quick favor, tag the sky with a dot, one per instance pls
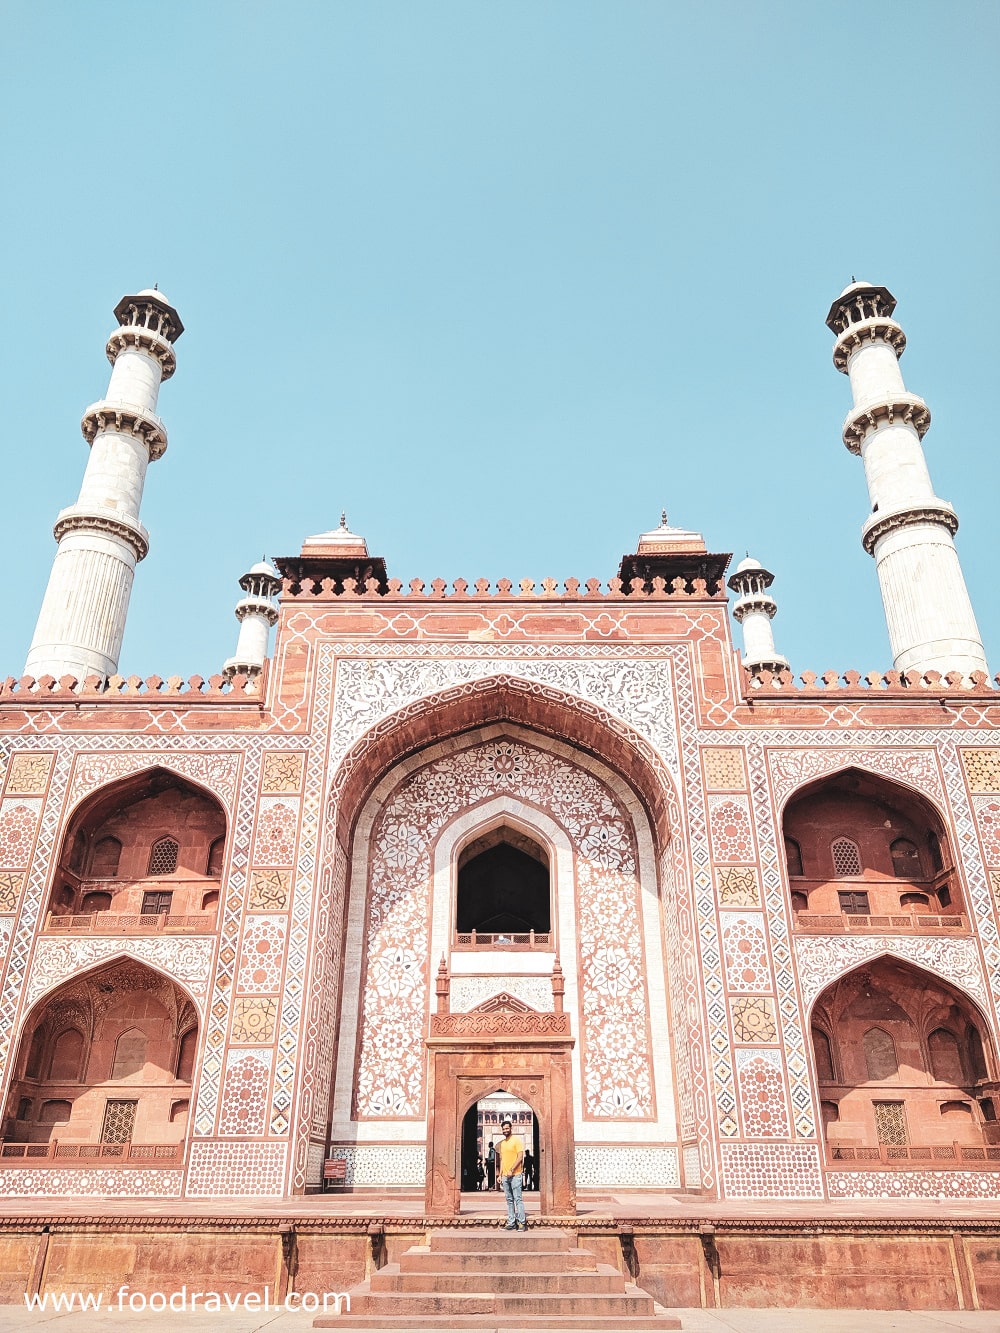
(501, 280)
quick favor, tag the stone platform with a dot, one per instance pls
(686, 1252)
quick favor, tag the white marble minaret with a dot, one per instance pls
(755, 609)
(909, 532)
(82, 620)
(256, 613)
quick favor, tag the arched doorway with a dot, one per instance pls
(482, 1131)
(503, 1045)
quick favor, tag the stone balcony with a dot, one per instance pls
(129, 923)
(55, 1153)
(918, 923)
(979, 1157)
(532, 939)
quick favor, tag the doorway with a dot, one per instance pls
(481, 1131)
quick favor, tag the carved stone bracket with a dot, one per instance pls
(871, 330)
(143, 340)
(904, 407)
(134, 535)
(890, 521)
(127, 419)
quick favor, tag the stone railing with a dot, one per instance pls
(125, 923)
(474, 939)
(985, 1157)
(845, 921)
(547, 589)
(152, 689)
(874, 684)
(55, 1153)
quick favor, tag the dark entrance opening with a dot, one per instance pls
(503, 889)
(481, 1128)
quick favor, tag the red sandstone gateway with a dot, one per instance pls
(282, 947)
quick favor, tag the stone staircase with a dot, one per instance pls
(490, 1278)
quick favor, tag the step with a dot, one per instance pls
(554, 1282)
(494, 1240)
(397, 1308)
(421, 1259)
(660, 1320)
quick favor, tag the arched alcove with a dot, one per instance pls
(862, 850)
(503, 886)
(105, 1054)
(893, 1045)
(148, 848)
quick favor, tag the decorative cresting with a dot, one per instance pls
(82, 619)
(910, 532)
(503, 1045)
(615, 1038)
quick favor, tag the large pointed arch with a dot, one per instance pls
(505, 698)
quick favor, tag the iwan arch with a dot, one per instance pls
(731, 935)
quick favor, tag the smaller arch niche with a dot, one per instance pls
(504, 886)
(863, 845)
(152, 826)
(895, 1030)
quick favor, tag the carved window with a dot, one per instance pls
(977, 1056)
(854, 904)
(107, 854)
(934, 847)
(905, 859)
(67, 1056)
(185, 1055)
(96, 902)
(916, 902)
(957, 1110)
(890, 1124)
(130, 1055)
(946, 1059)
(119, 1121)
(215, 857)
(824, 1055)
(163, 857)
(846, 858)
(793, 856)
(55, 1112)
(880, 1054)
(155, 902)
(36, 1050)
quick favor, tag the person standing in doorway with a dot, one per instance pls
(511, 1168)
(491, 1168)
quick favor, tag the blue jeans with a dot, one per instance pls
(515, 1204)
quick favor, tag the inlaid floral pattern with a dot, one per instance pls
(614, 1025)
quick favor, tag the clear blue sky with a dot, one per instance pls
(499, 279)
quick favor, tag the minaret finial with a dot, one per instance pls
(343, 519)
(663, 518)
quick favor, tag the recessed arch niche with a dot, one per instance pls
(150, 844)
(859, 845)
(892, 1045)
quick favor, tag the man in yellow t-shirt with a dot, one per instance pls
(511, 1166)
